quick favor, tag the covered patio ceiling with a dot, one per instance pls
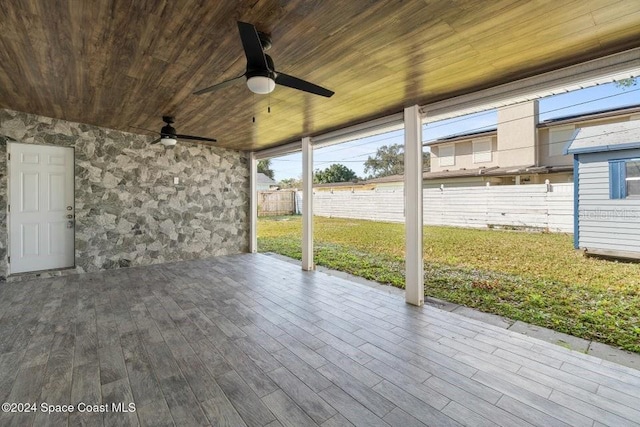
(119, 64)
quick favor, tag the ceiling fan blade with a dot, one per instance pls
(252, 47)
(156, 141)
(196, 138)
(218, 86)
(296, 83)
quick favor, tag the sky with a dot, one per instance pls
(353, 154)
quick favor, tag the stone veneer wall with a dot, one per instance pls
(128, 211)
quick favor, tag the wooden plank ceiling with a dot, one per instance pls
(126, 63)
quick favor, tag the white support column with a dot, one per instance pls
(307, 205)
(253, 204)
(414, 288)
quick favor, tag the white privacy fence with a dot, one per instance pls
(537, 206)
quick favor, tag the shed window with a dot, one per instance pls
(633, 178)
(446, 155)
(624, 178)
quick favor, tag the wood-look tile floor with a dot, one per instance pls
(252, 340)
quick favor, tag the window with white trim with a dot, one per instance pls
(446, 155)
(632, 180)
(482, 150)
(559, 139)
(624, 179)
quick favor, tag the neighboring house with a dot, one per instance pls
(519, 151)
(264, 183)
(607, 189)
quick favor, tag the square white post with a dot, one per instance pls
(414, 287)
(307, 205)
(253, 203)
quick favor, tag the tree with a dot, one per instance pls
(290, 183)
(264, 166)
(389, 160)
(334, 173)
(626, 83)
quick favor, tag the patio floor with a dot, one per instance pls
(249, 339)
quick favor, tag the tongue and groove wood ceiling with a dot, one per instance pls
(126, 63)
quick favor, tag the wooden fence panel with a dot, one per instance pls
(280, 202)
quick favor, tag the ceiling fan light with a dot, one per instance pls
(261, 84)
(168, 142)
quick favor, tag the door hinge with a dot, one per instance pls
(8, 208)
(8, 260)
(9, 156)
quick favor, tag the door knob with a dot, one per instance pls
(70, 216)
(69, 208)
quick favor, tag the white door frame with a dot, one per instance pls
(8, 207)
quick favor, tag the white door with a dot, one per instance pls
(41, 209)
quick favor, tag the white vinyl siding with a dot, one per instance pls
(559, 139)
(604, 223)
(447, 155)
(481, 151)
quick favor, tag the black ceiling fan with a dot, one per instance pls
(169, 137)
(261, 74)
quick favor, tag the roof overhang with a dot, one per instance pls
(462, 137)
(603, 148)
(591, 73)
(123, 64)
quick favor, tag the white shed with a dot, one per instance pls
(607, 189)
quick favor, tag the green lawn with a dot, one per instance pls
(533, 277)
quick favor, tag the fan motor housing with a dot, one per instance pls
(270, 72)
(168, 130)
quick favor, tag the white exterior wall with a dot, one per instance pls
(530, 206)
(464, 155)
(517, 134)
(544, 138)
(612, 225)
